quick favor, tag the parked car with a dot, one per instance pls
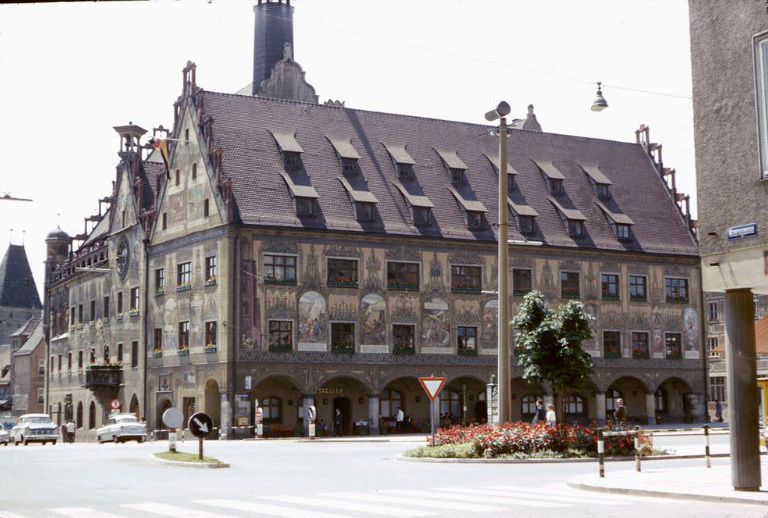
(34, 428)
(121, 428)
(5, 437)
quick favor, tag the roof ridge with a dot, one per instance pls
(417, 117)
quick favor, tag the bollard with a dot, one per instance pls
(601, 452)
(637, 448)
(311, 429)
(706, 447)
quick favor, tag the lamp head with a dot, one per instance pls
(599, 103)
(502, 110)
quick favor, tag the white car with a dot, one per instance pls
(121, 428)
(34, 428)
(5, 437)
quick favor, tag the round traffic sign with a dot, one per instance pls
(200, 424)
(115, 404)
(173, 417)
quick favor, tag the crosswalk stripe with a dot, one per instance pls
(423, 502)
(349, 506)
(572, 492)
(271, 510)
(83, 512)
(550, 497)
(472, 498)
(174, 511)
(8, 514)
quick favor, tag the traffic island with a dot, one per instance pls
(191, 460)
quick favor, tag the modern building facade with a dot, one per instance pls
(302, 254)
(729, 48)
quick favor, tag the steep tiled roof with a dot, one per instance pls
(244, 128)
(33, 341)
(27, 327)
(17, 286)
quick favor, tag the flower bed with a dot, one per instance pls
(523, 439)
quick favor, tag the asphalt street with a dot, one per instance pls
(318, 480)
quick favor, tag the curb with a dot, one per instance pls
(208, 465)
(665, 494)
(553, 461)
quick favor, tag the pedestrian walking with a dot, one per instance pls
(551, 416)
(539, 415)
(620, 414)
(70, 426)
(338, 421)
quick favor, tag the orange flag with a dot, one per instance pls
(162, 145)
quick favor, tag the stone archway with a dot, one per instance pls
(461, 409)
(633, 391)
(134, 407)
(350, 395)
(672, 401)
(213, 402)
(282, 405)
(524, 396)
(404, 392)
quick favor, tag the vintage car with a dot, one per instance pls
(5, 437)
(121, 428)
(34, 428)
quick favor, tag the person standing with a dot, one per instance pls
(400, 419)
(539, 415)
(620, 414)
(338, 421)
(551, 416)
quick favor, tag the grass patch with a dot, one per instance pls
(185, 457)
(446, 451)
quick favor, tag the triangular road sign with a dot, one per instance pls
(432, 385)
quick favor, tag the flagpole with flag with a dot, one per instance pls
(161, 144)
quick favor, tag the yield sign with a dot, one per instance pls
(432, 385)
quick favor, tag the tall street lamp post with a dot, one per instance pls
(504, 388)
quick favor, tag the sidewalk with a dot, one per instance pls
(693, 483)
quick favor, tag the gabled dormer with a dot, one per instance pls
(511, 172)
(555, 179)
(294, 175)
(600, 183)
(402, 160)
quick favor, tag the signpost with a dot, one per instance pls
(172, 419)
(432, 385)
(200, 425)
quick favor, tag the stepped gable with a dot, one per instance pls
(17, 286)
(243, 127)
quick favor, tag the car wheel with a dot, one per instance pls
(99, 439)
(44, 443)
(54, 443)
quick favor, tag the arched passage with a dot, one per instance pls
(134, 407)
(350, 396)
(524, 396)
(79, 415)
(405, 393)
(458, 399)
(672, 401)
(213, 402)
(632, 390)
(281, 403)
(92, 416)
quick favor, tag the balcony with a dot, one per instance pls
(98, 376)
(343, 348)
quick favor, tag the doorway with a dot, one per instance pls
(342, 403)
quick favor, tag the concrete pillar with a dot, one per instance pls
(741, 367)
(650, 407)
(226, 418)
(373, 414)
(308, 400)
(600, 407)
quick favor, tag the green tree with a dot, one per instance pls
(549, 343)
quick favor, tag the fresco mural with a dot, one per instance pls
(313, 317)
(592, 346)
(657, 345)
(373, 309)
(490, 323)
(436, 328)
(250, 318)
(690, 338)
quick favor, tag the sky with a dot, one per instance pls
(70, 72)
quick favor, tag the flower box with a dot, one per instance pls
(343, 348)
(403, 349)
(157, 353)
(183, 287)
(465, 289)
(159, 293)
(288, 282)
(402, 287)
(342, 283)
(210, 348)
(134, 313)
(280, 348)
(467, 352)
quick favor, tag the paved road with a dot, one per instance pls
(301, 479)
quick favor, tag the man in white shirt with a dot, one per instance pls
(400, 418)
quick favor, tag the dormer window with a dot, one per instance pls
(511, 184)
(556, 186)
(474, 220)
(575, 228)
(364, 211)
(623, 232)
(349, 165)
(602, 190)
(305, 207)
(405, 171)
(291, 160)
(458, 178)
(422, 216)
(526, 224)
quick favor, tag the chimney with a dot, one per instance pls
(273, 29)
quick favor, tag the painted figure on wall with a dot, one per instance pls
(373, 309)
(690, 333)
(250, 319)
(436, 327)
(312, 318)
(490, 323)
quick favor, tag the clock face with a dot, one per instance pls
(123, 256)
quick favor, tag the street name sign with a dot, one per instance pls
(432, 385)
(741, 231)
